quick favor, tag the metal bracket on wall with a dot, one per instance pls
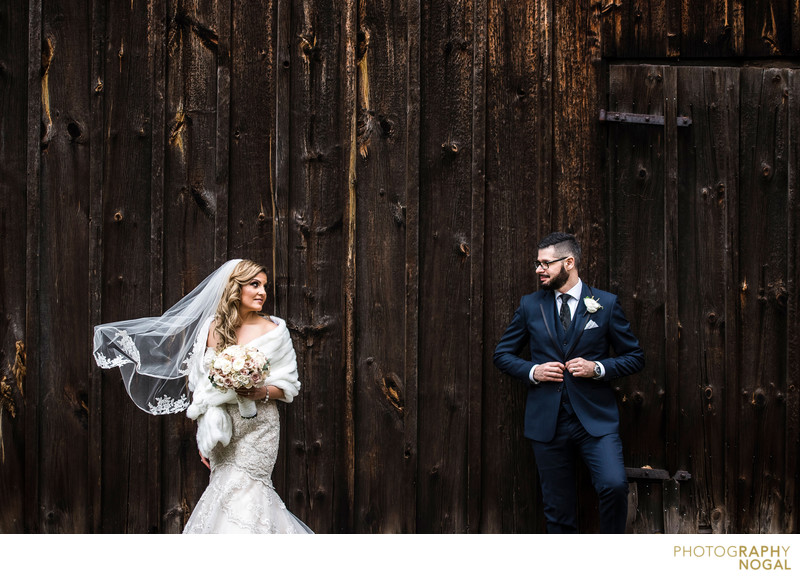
(639, 119)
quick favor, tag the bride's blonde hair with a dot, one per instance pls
(227, 317)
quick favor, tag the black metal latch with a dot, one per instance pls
(639, 119)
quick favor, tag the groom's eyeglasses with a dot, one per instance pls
(546, 264)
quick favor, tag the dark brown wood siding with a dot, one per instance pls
(393, 165)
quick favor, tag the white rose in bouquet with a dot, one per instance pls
(240, 367)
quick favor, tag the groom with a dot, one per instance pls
(571, 410)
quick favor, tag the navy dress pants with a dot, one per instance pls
(555, 461)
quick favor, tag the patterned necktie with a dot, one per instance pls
(564, 313)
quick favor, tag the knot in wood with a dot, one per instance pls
(118, 216)
(74, 131)
(708, 392)
(308, 45)
(450, 147)
(363, 43)
(766, 170)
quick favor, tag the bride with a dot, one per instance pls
(156, 355)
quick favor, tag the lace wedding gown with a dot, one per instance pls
(240, 497)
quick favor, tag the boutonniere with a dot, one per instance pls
(592, 305)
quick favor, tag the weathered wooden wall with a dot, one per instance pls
(394, 165)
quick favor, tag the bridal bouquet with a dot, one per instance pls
(239, 367)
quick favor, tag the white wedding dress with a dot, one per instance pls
(240, 497)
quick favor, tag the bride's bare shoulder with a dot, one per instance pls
(212, 340)
(266, 324)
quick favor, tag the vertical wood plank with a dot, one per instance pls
(14, 17)
(222, 18)
(35, 123)
(321, 108)
(130, 491)
(168, 501)
(792, 493)
(768, 28)
(708, 159)
(412, 265)
(577, 135)
(252, 135)
(280, 183)
(637, 29)
(96, 164)
(445, 226)
(672, 322)
(64, 230)
(477, 254)
(636, 172)
(349, 126)
(446, 55)
(384, 422)
(517, 214)
(190, 205)
(715, 28)
(795, 8)
(763, 299)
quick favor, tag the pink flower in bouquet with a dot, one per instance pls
(238, 367)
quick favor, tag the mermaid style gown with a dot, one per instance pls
(240, 497)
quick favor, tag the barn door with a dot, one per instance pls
(703, 227)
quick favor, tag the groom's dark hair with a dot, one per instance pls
(564, 243)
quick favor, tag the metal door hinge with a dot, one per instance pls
(639, 119)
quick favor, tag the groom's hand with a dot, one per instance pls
(549, 372)
(580, 368)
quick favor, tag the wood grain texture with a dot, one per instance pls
(518, 210)
(446, 76)
(708, 160)
(13, 209)
(712, 28)
(320, 140)
(763, 299)
(792, 493)
(31, 493)
(393, 165)
(385, 464)
(637, 246)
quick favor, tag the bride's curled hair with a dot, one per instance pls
(227, 318)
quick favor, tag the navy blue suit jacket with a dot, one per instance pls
(536, 325)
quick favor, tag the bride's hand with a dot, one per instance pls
(253, 393)
(204, 460)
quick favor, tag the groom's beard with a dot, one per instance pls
(556, 281)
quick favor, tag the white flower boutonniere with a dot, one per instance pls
(592, 305)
